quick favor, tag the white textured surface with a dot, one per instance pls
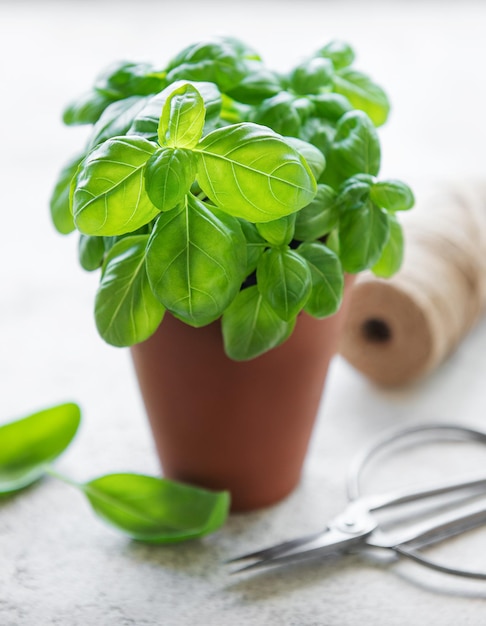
(60, 565)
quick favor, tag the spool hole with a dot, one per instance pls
(376, 331)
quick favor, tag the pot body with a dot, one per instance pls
(240, 426)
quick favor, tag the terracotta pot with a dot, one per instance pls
(241, 426)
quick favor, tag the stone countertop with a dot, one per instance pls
(61, 565)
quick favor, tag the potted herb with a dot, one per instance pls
(224, 203)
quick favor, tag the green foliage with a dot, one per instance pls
(250, 172)
(126, 309)
(238, 192)
(169, 175)
(284, 280)
(326, 279)
(108, 194)
(251, 326)
(392, 254)
(196, 259)
(28, 445)
(60, 210)
(146, 508)
(156, 510)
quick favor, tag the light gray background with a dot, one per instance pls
(58, 563)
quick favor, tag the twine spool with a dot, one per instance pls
(400, 329)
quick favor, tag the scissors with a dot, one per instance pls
(357, 529)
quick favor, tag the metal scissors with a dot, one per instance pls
(357, 528)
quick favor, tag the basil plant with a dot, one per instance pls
(215, 188)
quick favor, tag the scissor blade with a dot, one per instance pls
(277, 549)
(440, 527)
(331, 541)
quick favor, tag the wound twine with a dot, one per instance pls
(400, 329)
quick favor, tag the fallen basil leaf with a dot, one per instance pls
(156, 510)
(28, 445)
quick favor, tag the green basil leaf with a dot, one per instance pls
(355, 149)
(182, 120)
(363, 233)
(126, 310)
(353, 193)
(156, 510)
(319, 133)
(284, 280)
(123, 79)
(250, 172)
(169, 175)
(255, 245)
(61, 215)
(218, 61)
(312, 76)
(278, 232)
(240, 48)
(258, 85)
(232, 112)
(251, 327)
(116, 119)
(86, 109)
(91, 252)
(108, 195)
(340, 53)
(280, 114)
(146, 123)
(29, 445)
(392, 195)
(313, 156)
(327, 279)
(330, 106)
(319, 217)
(363, 94)
(392, 256)
(196, 261)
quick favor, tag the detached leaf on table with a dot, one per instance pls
(156, 510)
(29, 445)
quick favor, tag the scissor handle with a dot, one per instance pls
(414, 555)
(435, 530)
(447, 431)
